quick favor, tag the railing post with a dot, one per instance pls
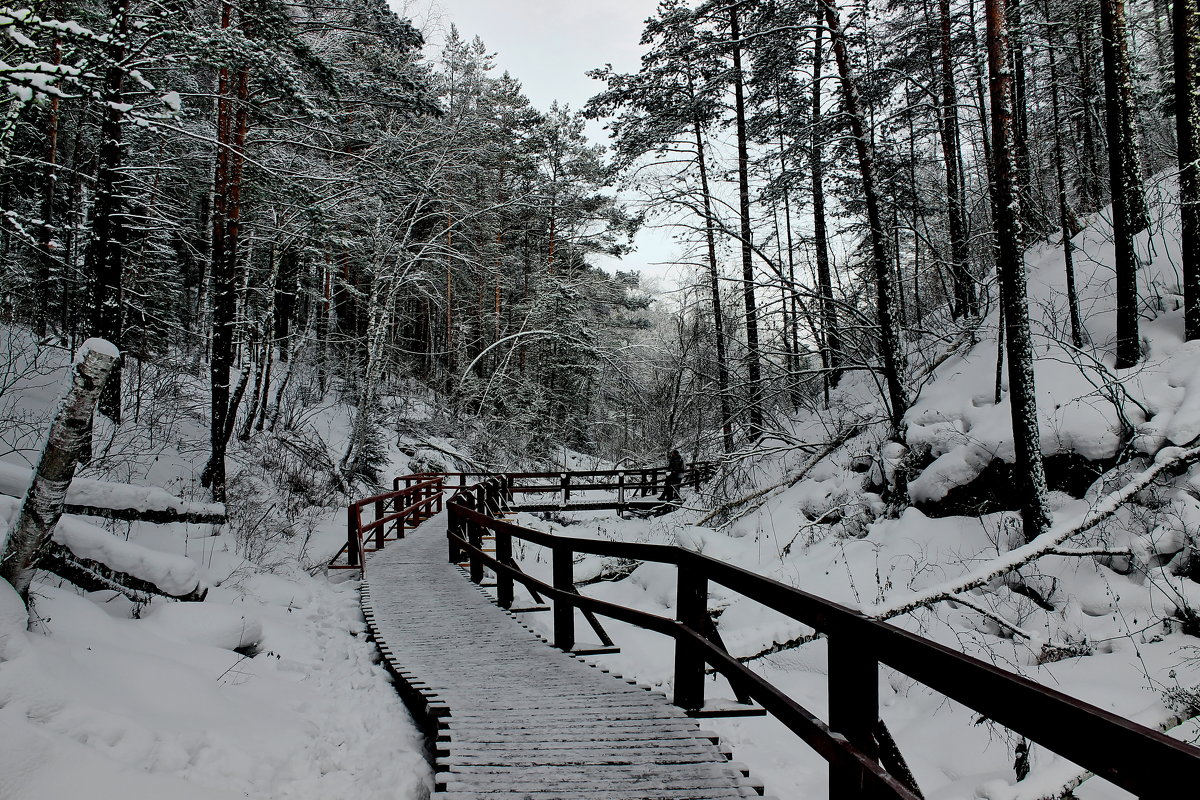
(398, 522)
(379, 529)
(440, 490)
(654, 481)
(564, 610)
(353, 557)
(620, 491)
(691, 611)
(504, 580)
(853, 708)
(566, 487)
(457, 527)
(475, 530)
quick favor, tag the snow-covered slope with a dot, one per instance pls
(267, 689)
(870, 523)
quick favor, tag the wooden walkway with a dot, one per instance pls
(515, 717)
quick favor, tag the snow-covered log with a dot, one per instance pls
(96, 498)
(43, 503)
(94, 559)
(94, 576)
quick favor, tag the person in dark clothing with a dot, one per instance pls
(674, 476)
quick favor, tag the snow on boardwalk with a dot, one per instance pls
(517, 717)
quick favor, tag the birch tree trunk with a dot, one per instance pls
(69, 435)
(1010, 264)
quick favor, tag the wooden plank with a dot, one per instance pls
(520, 718)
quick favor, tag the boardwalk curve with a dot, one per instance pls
(516, 717)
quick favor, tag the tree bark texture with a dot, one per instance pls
(1006, 205)
(965, 302)
(1187, 127)
(831, 349)
(1125, 176)
(1066, 217)
(885, 293)
(109, 235)
(69, 435)
(754, 420)
(714, 280)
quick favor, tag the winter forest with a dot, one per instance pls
(933, 316)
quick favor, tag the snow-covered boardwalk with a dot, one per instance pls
(517, 717)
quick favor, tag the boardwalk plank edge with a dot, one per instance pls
(643, 752)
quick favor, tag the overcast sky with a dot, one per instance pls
(549, 45)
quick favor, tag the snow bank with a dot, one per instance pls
(114, 709)
(13, 619)
(175, 575)
(14, 481)
(208, 624)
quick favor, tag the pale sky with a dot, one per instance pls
(549, 45)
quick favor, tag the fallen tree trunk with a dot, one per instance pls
(90, 497)
(94, 576)
(158, 516)
(43, 503)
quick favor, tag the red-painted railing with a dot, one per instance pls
(864, 762)
(370, 521)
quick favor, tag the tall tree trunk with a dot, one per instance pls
(1089, 180)
(1125, 176)
(831, 343)
(1066, 217)
(965, 301)
(1186, 36)
(714, 280)
(46, 256)
(754, 418)
(107, 251)
(232, 122)
(1010, 265)
(69, 436)
(885, 294)
(1020, 105)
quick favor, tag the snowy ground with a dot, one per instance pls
(102, 698)
(267, 689)
(1114, 632)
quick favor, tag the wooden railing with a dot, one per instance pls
(527, 491)
(864, 763)
(370, 521)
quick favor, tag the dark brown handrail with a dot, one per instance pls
(1138, 759)
(420, 499)
(627, 483)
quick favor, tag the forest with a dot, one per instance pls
(938, 282)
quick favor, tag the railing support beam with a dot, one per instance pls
(692, 612)
(853, 709)
(564, 610)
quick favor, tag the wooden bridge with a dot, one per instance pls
(511, 716)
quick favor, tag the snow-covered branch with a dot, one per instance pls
(1168, 459)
